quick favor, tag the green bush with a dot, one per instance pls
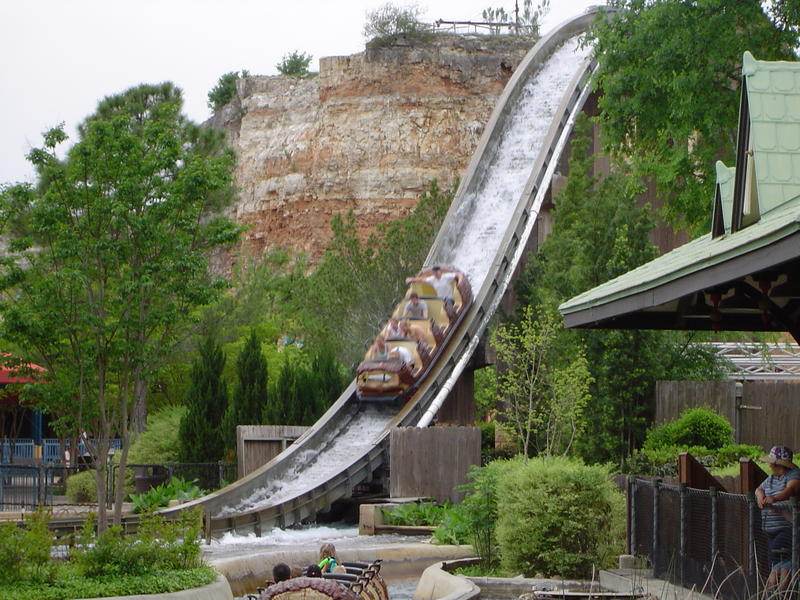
(25, 550)
(558, 516)
(694, 427)
(158, 545)
(295, 64)
(158, 443)
(663, 461)
(81, 487)
(225, 90)
(389, 21)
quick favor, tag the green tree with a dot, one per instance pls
(600, 232)
(357, 283)
(250, 394)
(225, 89)
(542, 401)
(295, 64)
(669, 71)
(390, 20)
(200, 434)
(107, 257)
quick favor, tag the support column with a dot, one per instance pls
(459, 408)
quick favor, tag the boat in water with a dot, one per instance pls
(397, 362)
(354, 581)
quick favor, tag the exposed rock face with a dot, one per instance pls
(368, 135)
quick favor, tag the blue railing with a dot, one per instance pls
(13, 450)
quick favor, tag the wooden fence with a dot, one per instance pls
(432, 461)
(763, 413)
(256, 445)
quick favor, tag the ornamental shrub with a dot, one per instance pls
(695, 427)
(159, 442)
(81, 487)
(558, 516)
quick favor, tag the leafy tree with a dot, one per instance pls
(669, 71)
(542, 402)
(600, 232)
(357, 283)
(200, 434)
(107, 257)
(250, 394)
(389, 20)
(225, 90)
(295, 64)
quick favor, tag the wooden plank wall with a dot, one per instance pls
(256, 445)
(778, 421)
(430, 462)
(770, 413)
(673, 397)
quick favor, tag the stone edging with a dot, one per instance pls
(438, 584)
(218, 590)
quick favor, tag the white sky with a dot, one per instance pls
(58, 58)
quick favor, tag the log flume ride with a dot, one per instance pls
(485, 234)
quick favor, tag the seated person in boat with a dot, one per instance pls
(403, 355)
(441, 281)
(379, 350)
(416, 307)
(327, 558)
(414, 332)
(393, 329)
(281, 572)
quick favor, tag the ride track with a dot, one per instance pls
(486, 220)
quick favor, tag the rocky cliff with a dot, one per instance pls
(368, 135)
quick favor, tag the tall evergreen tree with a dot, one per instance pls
(250, 395)
(200, 434)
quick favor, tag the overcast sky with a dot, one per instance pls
(59, 57)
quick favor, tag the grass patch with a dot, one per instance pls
(70, 583)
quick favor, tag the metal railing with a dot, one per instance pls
(28, 487)
(16, 449)
(703, 538)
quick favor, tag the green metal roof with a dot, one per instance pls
(773, 94)
(695, 256)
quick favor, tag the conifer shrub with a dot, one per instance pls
(558, 516)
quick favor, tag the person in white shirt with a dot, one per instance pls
(442, 282)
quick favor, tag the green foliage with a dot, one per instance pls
(71, 584)
(295, 64)
(200, 433)
(25, 550)
(670, 102)
(600, 232)
(454, 528)
(159, 442)
(695, 427)
(81, 487)
(389, 21)
(663, 461)
(416, 514)
(485, 390)
(544, 398)
(250, 394)
(356, 284)
(158, 545)
(157, 497)
(558, 516)
(225, 89)
(304, 388)
(108, 256)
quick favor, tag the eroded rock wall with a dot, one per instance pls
(368, 135)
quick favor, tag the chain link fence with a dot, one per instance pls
(705, 539)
